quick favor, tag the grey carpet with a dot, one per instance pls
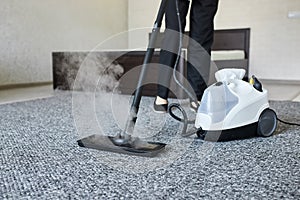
(40, 159)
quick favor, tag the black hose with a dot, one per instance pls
(185, 119)
(191, 96)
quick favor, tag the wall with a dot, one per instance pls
(31, 29)
(275, 41)
(141, 17)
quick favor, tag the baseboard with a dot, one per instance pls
(280, 82)
(25, 85)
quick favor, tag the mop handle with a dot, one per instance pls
(150, 49)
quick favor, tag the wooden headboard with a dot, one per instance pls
(232, 39)
(225, 39)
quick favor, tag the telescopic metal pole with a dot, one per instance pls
(138, 93)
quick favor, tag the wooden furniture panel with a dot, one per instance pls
(66, 64)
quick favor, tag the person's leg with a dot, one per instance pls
(201, 33)
(170, 44)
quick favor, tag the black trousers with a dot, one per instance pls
(202, 14)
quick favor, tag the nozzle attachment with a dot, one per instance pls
(256, 83)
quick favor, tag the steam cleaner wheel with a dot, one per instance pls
(267, 123)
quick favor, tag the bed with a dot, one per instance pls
(230, 50)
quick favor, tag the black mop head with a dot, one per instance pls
(134, 146)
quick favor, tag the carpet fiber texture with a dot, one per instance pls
(40, 159)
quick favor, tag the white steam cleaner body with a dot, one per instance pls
(232, 108)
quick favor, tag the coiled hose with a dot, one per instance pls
(184, 120)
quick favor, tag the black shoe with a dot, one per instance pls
(194, 105)
(160, 108)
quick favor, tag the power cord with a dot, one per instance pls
(288, 123)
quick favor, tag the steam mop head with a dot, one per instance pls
(134, 146)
